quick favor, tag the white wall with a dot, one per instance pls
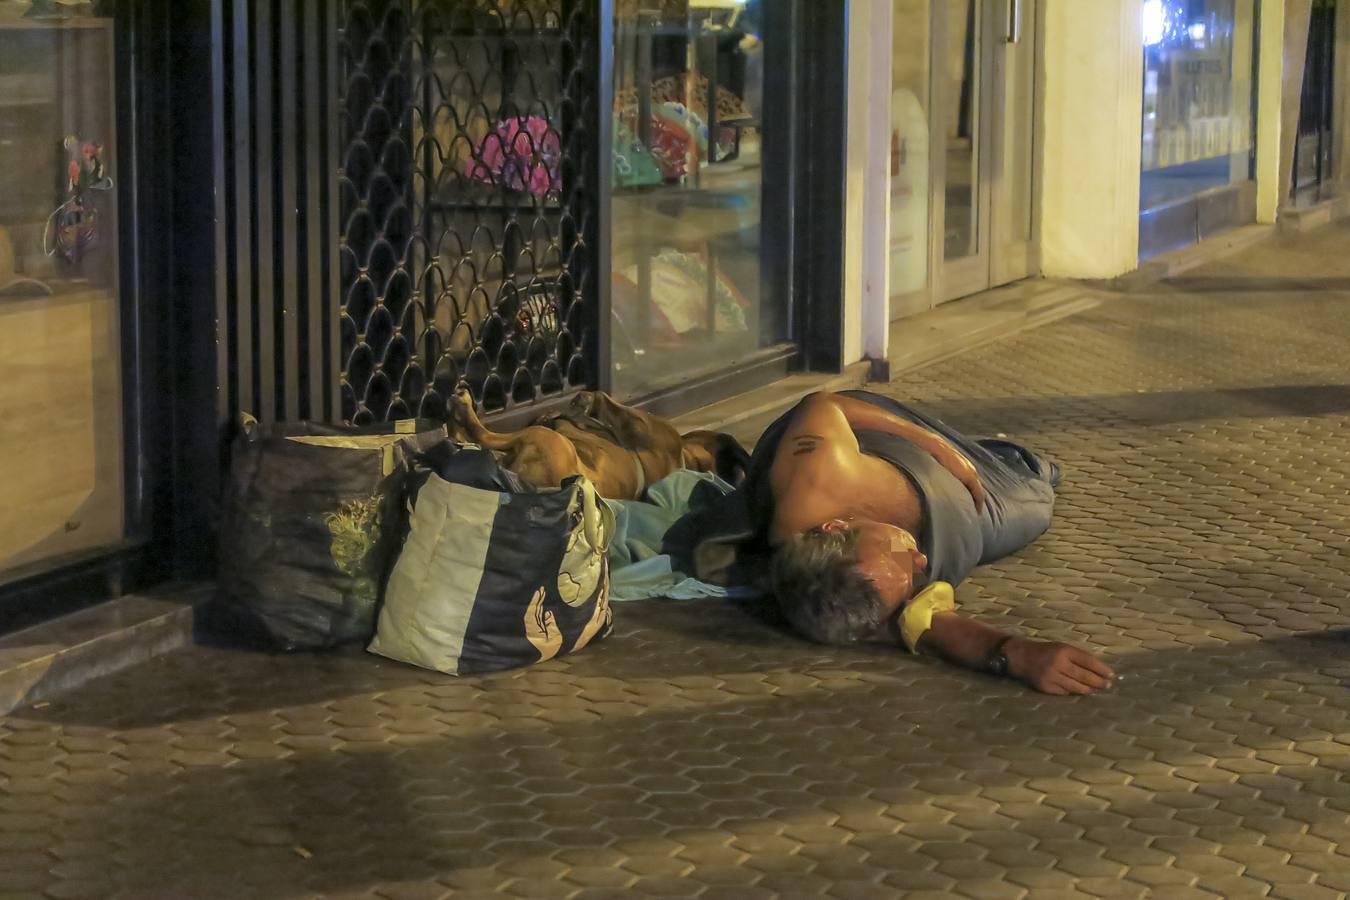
(1093, 73)
(867, 189)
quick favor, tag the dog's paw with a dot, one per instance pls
(582, 402)
(459, 413)
(461, 400)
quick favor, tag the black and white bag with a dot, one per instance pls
(493, 575)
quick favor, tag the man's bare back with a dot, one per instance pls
(858, 486)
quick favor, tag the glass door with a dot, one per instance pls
(1012, 224)
(984, 93)
(963, 200)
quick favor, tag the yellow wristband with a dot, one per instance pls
(918, 614)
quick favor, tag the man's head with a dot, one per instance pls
(842, 581)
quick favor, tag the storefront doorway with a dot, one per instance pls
(963, 145)
(1314, 148)
(984, 73)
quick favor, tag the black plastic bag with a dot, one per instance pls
(313, 516)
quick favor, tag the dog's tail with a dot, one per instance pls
(715, 451)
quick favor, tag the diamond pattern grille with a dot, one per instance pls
(467, 203)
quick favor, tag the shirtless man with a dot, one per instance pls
(874, 510)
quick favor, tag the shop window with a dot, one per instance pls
(1199, 63)
(688, 190)
(61, 438)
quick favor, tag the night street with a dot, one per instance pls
(1200, 544)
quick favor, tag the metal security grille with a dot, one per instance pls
(273, 114)
(468, 202)
(1312, 150)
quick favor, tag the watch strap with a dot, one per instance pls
(996, 663)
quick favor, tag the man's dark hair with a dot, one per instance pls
(820, 591)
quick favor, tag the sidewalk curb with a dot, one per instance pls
(1179, 262)
(945, 348)
(44, 660)
(1301, 220)
(781, 394)
(1055, 303)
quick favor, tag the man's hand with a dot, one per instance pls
(958, 464)
(971, 480)
(1055, 668)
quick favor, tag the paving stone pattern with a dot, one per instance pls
(701, 752)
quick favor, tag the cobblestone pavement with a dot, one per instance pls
(1201, 543)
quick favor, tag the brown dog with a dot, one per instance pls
(619, 449)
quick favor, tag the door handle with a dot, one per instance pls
(1014, 34)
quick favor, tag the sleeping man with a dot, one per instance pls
(873, 512)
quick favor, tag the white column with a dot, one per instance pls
(1093, 62)
(1270, 88)
(867, 190)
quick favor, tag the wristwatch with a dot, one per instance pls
(996, 663)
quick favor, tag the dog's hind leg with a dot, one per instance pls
(465, 425)
(539, 455)
(714, 451)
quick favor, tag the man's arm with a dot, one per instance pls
(1052, 668)
(860, 414)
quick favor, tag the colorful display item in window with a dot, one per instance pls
(672, 147)
(73, 227)
(679, 135)
(679, 297)
(520, 155)
(634, 164)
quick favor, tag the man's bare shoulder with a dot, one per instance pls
(802, 489)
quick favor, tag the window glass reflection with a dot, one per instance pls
(687, 187)
(60, 363)
(1199, 58)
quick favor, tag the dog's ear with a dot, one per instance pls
(733, 462)
(709, 451)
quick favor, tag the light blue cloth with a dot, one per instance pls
(641, 563)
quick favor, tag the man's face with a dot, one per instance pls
(889, 557)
